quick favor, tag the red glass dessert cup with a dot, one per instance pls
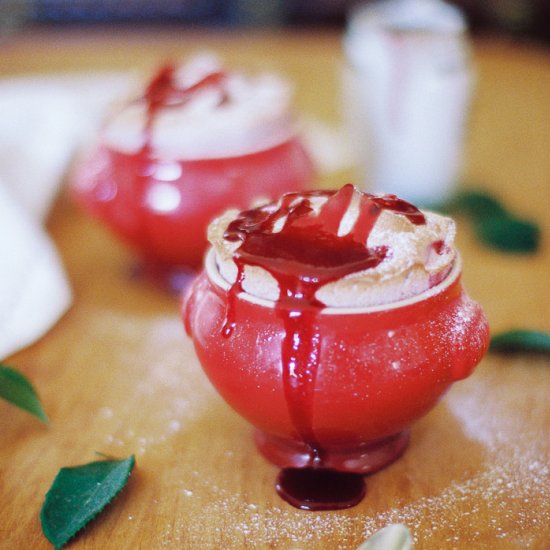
(192, 146)
(380, 368)
(162, 206)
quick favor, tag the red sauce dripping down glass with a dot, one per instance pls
(164, 92)
(304, 255)
(161, 202)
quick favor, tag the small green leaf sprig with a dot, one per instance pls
(494, 225)
(18, 390)
(78, 494)
(521, 340)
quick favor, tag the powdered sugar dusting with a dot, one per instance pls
(152, 350)
(463, 316)
(501, 504)
(491, 494)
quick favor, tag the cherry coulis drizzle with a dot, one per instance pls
(305, 254)
(165, 92)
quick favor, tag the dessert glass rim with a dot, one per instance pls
(213, 273)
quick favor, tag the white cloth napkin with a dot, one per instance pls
(42, 121)
(33, 289)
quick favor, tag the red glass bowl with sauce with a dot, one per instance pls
(159, 192)
(380, 368)
(329, 389)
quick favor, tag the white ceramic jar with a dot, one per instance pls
(407, 88)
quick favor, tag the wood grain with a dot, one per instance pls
(117, 375)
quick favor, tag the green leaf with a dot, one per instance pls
(78, 494)
(521, 340)
(508, 234)
(475, 204)
(392, 537)
(494, 225)
(18, 391)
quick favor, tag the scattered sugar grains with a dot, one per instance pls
(489, 493)
(511, 492)
(150, 349)
(515, 473)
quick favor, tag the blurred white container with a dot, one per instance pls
(407, 88)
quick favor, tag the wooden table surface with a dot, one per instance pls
(118, 376)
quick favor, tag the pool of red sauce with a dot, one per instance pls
(304, 255)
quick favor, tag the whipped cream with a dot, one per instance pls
(254, 115)
(418, 257)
